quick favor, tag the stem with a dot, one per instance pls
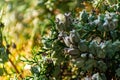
(5, 69)
(17, 71)
(104, 35)
(98, 4)
(1, 38)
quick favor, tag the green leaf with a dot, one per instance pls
(57, 71)
(3, 55)
(116, 45)
(93, 46)
(113, 34)
(103, 77)
(79, 63)
(100, 52)
(118, 72)
(84, 16)
(89, 64)
(35, 70)
(83, 45)
(102, 66)
(109, 49)
(112, 1)
(1, 71)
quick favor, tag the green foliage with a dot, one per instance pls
(3, 52)
(118, 72)
(1, 71)
(106, 5)
(89, 41)
(25, 22)
(78, 45)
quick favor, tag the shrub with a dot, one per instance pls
(86, 46)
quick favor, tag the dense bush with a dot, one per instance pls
(83, 46)
(83, 43)
(25, 22)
